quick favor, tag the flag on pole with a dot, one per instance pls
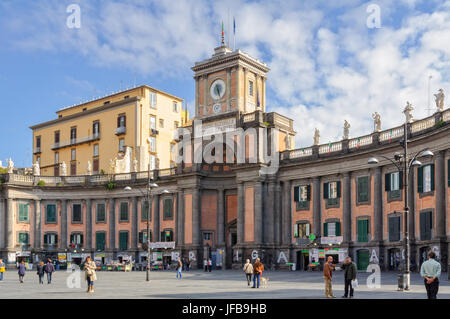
(234, 33)
(223, 34)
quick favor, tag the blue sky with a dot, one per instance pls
(326, 64)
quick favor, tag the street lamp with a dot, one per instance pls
(405, 164)
(149, 196)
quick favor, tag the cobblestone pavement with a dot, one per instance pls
(227, 284)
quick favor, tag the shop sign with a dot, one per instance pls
(332, 240)
(23, 253)
(100, 256)
(164, 245)
(62, 257)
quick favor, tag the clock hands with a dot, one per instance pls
(218, 90)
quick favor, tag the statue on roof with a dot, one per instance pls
(10, 166)
(439, 98)
(316, 136)
(376, 122)
(408, 112)
(346, 130)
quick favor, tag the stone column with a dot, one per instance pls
(245, 90)
(134, 224)
(258, 221)
(88, 240)
(347, 207)
(180, 235)
(378, 205)
(112, 223)
(2, 223)
(156, 218)
(440, 189)
(238, 93)
(221, 217)
(9, 239)
(277, 215)
(64, 223)
(286, 213)
(205, 94)
(37, 224)
(196, 216)
(270, 213)
(240, 213)
(228, 92)
(197, 91)
(317, 214)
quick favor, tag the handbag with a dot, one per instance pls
(355, 283)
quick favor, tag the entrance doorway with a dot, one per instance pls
(394, 258)
(76, 260)
(363, 258)
(423, 254)
(302, 260)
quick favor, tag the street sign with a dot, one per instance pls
(312, 236)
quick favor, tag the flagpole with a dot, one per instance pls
(228, 18)
(234, 33)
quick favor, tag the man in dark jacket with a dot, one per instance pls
(49, 269)
(349, 268)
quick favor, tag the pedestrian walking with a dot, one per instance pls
(49, 270)
(205, 264)
(22, 270)
(90, 273)
(248, 270)
(258, 269)
(40, 272)
(349, 268)
(179, 267)
(431, 271)
(328, 277)
(2, 269)
(209, 264)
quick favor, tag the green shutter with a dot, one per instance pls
(338, 228)
(420, 180)
(423, 222)
(432, 176)
(325, 190)
(141, 237)
(400, 180)
(45, 239)
(56, 239)
(123, 240)
(325, 229)
(308, 193)
(81, 239)
(296, 193)
(387, 182)
(448, 173)
(338, 183)
(363, 189)
(168, 208)
(145, 210)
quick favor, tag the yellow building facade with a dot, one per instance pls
(120, 133)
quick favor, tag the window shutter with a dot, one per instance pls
(432, 176)
(141, 237)
(422, 226)
(45, 239)
(391, 228)
(56, 239)
(325, 229)
(448, 173)
(338, 228)
(325, 190)
(81, 239)
(387, 182)
(420, 180)
(429, 224)
(308, 192)
(296, 194)
(338, 189)
(118, 121)
(400, 181)
(71, 238)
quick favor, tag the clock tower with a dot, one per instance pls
(229, 82)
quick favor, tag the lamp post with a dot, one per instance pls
(405, 165)
(149, 197)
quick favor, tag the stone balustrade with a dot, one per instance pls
(330, 148)
(423, 124)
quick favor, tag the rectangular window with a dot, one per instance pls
(363, 230)
(100, 213)
(152, 122)
(207, 236)
(73, 135)
(121, 121)
(144, 211)
(250, 88)
(23, 238)
(56, 137)
(96, 129)
(395, 181)
(332, 190)
(363, 189)
(168, 208)
(427, 179)
(121, 145)
(23, 213)
(123, 217)
(56, 158)
(73, 154)
(73, 168)
(95, 150)
(76, 239)
(152, 140)
(123, 240)
(167, 235)
(143, 236)
(76, 213)
(332, 229)
(426, 225)
(152, 162)
(161, 123)
(175, 107)
(50, 215)
(38, 142)
(153, 100)
(301, 230)
(96, 165)
(394, 228)
(100, 240)
(50, 239)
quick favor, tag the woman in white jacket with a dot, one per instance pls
(248, 270)
(90, 273)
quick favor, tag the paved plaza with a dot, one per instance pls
(229, 284)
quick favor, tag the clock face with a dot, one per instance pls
(217, 108)
(217, 89)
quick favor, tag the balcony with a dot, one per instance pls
(76, 141)
(37, 150)
(154, 132)
(121, 130)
